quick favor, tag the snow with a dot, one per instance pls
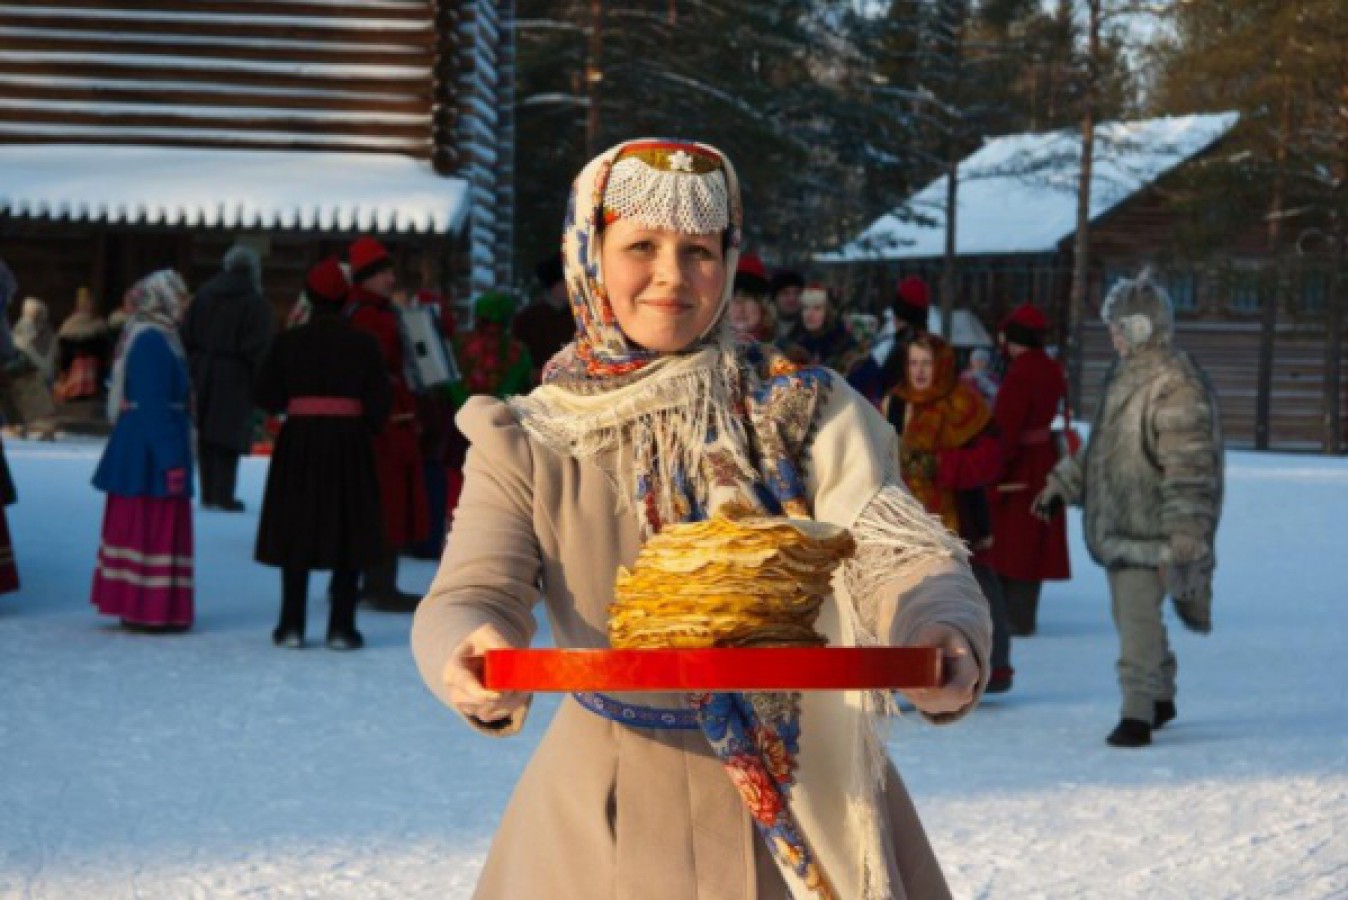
(214, 765)
(260, 189)
(1018, 194)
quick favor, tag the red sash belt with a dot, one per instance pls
(324, 406)
(1038, 436)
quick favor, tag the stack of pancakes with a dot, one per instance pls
(728, 582)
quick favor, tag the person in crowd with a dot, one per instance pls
(435, 425)
(1026, 552)
(84, 341)
(546, 325)
(145, 556)
(750, 312)
(35, 339)
(1151, 478)
(949, 457)
(321, 507)
(821, 339)
(979, 375)
(226, 332)
(494, 364)
(784, 291)
(35, 342)
(563, 485)
(910, 311)
(397, 451)
(9, 569)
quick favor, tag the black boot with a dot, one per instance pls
(1001, 680)
(289, 632)
(1164, 712)
(342, 633)
(1130, 733)
(381, 588)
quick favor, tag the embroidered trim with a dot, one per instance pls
(636, 716)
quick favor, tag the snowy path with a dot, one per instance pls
(213, 765)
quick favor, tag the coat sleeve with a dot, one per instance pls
(1011, 411)
(156, 383)
(377, 393)
(976, 465)
(1181, 429)
(258, 332)
(492, 563)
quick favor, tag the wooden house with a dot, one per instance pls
(1015, 236)
(136, 134)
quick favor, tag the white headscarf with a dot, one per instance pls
(157, 302)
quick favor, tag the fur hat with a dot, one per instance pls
(783, 279)
(1142, 310)
(750, 276)
(368, 257)
(326, 283)
(1025, 325)
(912, 302)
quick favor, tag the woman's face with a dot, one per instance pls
(921, 367)
(745, 313)
(813, 315)
(664, 286)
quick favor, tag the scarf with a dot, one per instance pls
(157, 303)
(943, 416)
(720, 426)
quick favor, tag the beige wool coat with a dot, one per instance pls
(608, 811)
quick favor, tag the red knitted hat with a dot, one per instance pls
(914, 292)
(326, 282)
(367, 257)
(1027, 315)
(750, 275)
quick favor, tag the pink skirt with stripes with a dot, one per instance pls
(144, 572)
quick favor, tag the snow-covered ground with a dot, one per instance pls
(214, 765)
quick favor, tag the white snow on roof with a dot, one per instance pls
(218, 64)
(262, 189)
(343, 23)
(1018, 194)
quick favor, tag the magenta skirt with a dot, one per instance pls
(9, 572)
(144, 572)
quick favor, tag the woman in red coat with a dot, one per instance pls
(1026, 551)
(402, 486)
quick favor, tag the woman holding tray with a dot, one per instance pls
(655, 415)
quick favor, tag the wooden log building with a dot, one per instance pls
(136, 134)
(1015, 238)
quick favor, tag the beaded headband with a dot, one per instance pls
(668, 185)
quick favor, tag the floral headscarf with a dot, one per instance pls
(719, 424)
(157, 302)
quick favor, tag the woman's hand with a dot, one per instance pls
(959, 668)
(463, 680)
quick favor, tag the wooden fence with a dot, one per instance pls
(1229, 353)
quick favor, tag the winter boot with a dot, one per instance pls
(1001, 679)
(1130, 733)
(1164, 712)
(289, 632)
(381, 588)
(342, 633)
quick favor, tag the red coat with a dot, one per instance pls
(402, 486)
(1025, 548)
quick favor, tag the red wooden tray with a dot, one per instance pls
(720, 669)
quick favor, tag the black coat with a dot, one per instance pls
(226, 332)
(321, 509)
